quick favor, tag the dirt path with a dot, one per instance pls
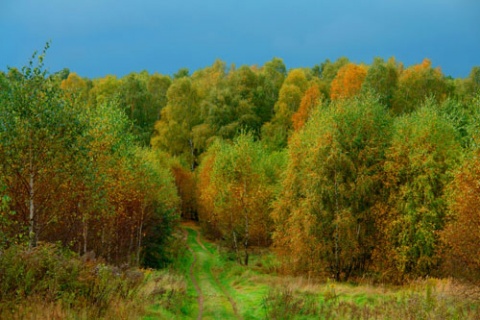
(217, 281)
(214, 299)
(200, 298)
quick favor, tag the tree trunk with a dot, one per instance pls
(85, 236)
(32, 233)
(235, 244)
(192, 152)
(337, 266)
(139, 235)
(84, 227)
(246, 253)
(247, 231)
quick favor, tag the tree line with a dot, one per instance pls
(347, 170)
(344, 169)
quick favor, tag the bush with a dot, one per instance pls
(52, 274)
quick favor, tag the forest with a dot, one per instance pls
(342, 171)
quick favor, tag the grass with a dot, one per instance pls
(330, 300)
(217, 305)
(168, 297)
(260, 292)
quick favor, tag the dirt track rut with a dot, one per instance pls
(214, 300)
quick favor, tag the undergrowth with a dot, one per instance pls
(50, 282)
(422, 302)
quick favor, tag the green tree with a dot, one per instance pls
(173, 132)
(424, 150)
(231, 105)
(181, 73)
(270, 79)
(136, 101)
(157, 207)
(276, 132)
(157, 86)
(416, 84)
(37, 136)
(382, 80)
(467, 89)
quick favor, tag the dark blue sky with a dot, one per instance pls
(99, 37)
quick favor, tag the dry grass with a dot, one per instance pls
(165, 288)
(36, 309)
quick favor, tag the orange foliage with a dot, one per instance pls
(309, 101)
(416, 83)
(418, 70)
(348, 81)
(205, 194)
(462, 234)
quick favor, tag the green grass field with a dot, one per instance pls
(227, 290)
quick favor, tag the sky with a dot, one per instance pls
(98, 37)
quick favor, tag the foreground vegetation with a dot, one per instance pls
(50, 282)
(261, 292)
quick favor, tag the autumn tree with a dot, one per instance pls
(461, 233)
(205, 193)
(324, 217)
(348, 81)
(240, 187)
(326, 72)
(417, 83)
(74, 174)
(310, 100)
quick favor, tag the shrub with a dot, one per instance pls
(52, 274)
